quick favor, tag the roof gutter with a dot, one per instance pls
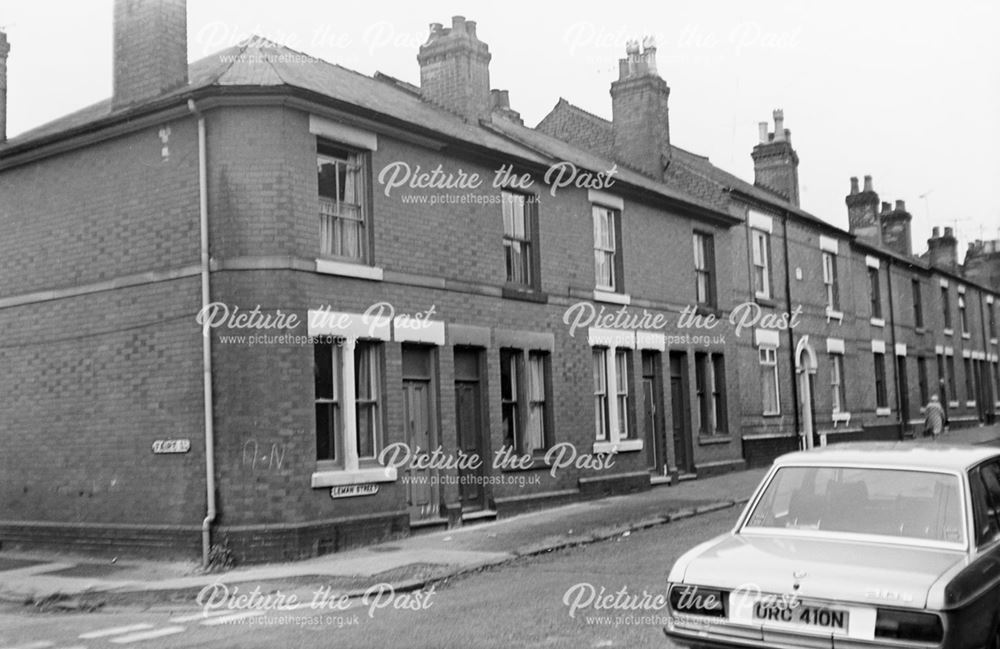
(206, 340)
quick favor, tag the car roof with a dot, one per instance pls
(945, 457)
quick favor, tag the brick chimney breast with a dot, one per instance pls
(896, 229)
(942, 251)
(863, 212)
(4, 50)
(639, 111)
(150, 49)
(775, 163)
(455, 69)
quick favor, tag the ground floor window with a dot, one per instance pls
(881, 393)
(768, 357)
(613, 403)
(348, 394)
(838, 391)
(524, 388)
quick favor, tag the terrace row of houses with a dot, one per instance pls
(267, 304)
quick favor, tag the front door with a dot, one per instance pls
(471, 427)
(652, 387)
(420, 431)
(904, 392)
(680, 412)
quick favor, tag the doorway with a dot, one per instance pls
(652, 387)
(420, 430)
(680, 409)
(471, 426)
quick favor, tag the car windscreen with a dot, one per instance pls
(885, 502)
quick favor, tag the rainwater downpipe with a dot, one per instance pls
(206, 342)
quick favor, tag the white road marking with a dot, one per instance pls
(41, 644)
(100, 633)
(203, 615)
(231, 618)
(147, 635)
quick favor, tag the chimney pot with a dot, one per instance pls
(868, 184)
(762, 131)
(470, 28)
(949, 232)
(458, 23)
(779, 121)
(436, 29)
(886, 207)
(935, 232)
(854, 185)
(900, 205)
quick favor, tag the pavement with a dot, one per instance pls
(54, 582)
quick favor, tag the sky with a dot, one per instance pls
(906, 92)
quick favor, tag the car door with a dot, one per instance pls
(977, 588)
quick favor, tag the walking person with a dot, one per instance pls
(933, 418)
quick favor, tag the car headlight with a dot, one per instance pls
(908, 625)
(696, 600)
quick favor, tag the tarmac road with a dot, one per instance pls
(535, 602)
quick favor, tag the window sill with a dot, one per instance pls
(340, 477)
(952, 404)
(877, 322)
(970, 404)
(771, 414)
(833, 314)
(948, 332)
(512, 292)
(765, 300)
(993, 341)
(921, 330)
(883, 412)
(720, 438)
(966, 335)
(841, 417)
(348, 269)
(612, 297)
(623, 446)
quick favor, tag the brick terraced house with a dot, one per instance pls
(261, 302)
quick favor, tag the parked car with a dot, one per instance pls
(850, 546)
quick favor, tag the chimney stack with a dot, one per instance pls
(455, 70)
(775, 163)
(942, 251)
(150, 49)
(895, 224)
(500, 103)
(4, 50)
(639, 113)
(862, 212)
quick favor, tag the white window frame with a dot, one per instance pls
(348, 470)
(767, 356)
(612, 441)
(837, 383)
(829, 281)
(760, 252)
(608, 249)
(332, 212)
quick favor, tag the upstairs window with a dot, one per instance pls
(342, 201)
(875, 293)
(918, 303)
(519, 239)
(607, 257)
(761, 250)
(946, 307)
(704, 269)
(963, 316)
(830, 281)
